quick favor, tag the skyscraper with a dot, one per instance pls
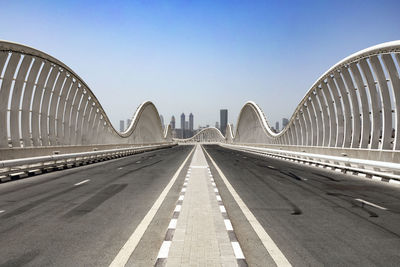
(191, 122)
(173, 122)
(223, 120)
(121, 125)
(284, 122)
(277, 126)
(183, 125)
(128, 122)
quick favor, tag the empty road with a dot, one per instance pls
(84, 216)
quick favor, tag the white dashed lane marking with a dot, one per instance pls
(178, 208)
(172, 224)
(83, 182)
(1, 211)
(228, 225)
(163, 253)
(164, 250)
(370, 204)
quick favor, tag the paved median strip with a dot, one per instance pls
(164, 250)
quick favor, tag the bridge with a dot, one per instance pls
(75, 191)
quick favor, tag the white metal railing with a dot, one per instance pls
(23, 165)
(388, 170)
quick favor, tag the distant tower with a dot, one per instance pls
(223, 120)
(191, 122)
(217, 124)
(277, 126)
(284, 123)
(128, 122)
(183, 124)
(121, 125)
(173, 122)
(162, 120)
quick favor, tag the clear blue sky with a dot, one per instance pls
(200, 56)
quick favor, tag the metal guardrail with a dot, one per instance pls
(24, 166)
(371, 168)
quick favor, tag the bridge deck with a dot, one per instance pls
(200, 237)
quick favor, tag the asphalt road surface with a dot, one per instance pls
(58, 219)
(83, 216)
(316, 217)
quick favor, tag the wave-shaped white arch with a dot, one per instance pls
(45, 103)
(335, 112)
(210, 134)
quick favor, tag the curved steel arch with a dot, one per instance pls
(210, 134)
(355, 104)
(44, 103)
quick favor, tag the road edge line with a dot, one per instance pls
(269, 244)
(130, 245)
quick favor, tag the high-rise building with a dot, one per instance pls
(277, 126)
(173, 122)
(121, 125)
(187, 125)
(162, 120)
(191, 123)
(217, 124)
(223, 120)
(284, 122)
(183, 125)
(128, 122)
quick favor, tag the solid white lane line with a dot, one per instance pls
(228, 225)
(237, 250)
(222, 209)
(83, 182)
(172, 224)
(178, 208)
(371, 204)
(123, 255)
(164, 250)
(267, 241)
(219, 198)
(181, 197)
